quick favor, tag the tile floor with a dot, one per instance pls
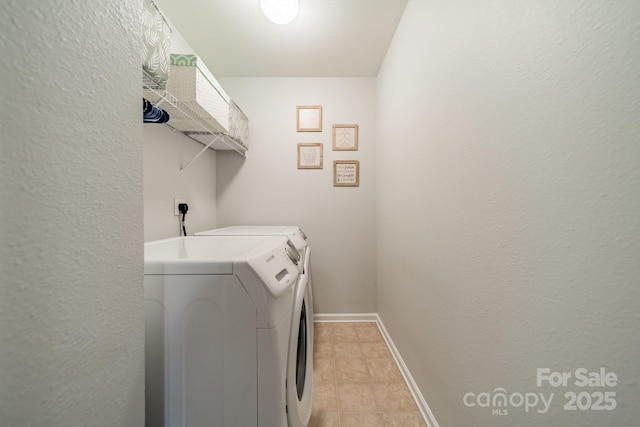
(357, 382)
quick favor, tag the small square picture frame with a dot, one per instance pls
(310, 155)
(346, 173)
(309, 118)
(345, 137)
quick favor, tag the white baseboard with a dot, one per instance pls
(346, 317)
(428, 416)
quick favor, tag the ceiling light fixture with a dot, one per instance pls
(280, 11)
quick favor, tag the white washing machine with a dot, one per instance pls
(298, 240)
(295, 235)
(292, 232)
(221, 348)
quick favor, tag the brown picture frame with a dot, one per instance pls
(345, 137)
(309, 118)
(310, 155)
(346, 173)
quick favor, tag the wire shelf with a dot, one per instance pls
(189, 123)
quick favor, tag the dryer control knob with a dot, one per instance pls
(293, 252)
(291, 255)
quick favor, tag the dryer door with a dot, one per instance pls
(300, 359)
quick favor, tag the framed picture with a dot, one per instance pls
(345, 137)
(309, 118)
(346, 173)
(310, 156)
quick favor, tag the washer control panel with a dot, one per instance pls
(278, 268)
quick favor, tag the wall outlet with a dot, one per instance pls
(176, 202)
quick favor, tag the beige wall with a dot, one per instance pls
(508, 202)
(267, 188)
(71, 295)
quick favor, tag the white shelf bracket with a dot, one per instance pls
(182, 169)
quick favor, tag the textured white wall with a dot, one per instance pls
(267, 188)
(508, 201)
(165, 152)
(71, 302)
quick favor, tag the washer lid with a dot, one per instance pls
(293, 232)
(206, 254)
(253, 230)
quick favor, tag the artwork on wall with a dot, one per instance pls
(309, 118)
(310, 155)
(346, 173)
(345, 137)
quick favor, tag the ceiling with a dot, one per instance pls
(329, 38)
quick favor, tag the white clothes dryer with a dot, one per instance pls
(300, 411)
(219, 333)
